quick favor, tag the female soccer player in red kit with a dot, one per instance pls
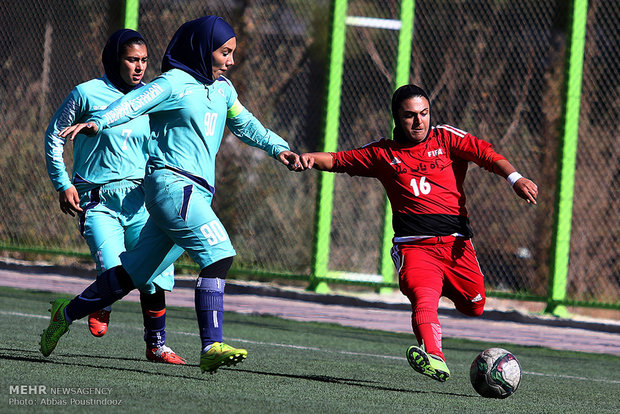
(423, 170)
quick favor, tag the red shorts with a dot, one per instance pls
(441, 266)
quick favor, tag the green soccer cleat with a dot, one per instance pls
(427, 364)
(58, 326)
(221, 354)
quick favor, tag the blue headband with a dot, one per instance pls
(192, 45)
(111, 57)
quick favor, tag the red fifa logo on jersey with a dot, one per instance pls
(434, 153)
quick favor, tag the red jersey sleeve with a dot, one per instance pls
(466, 146)
(359, 161)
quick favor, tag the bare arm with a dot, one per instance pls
(320, 160)
(525, 188)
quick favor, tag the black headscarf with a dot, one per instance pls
(111, 57)
(192, 45)
(401, 94)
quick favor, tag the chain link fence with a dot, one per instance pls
(595, 242)
(493, 68)
(492, 77)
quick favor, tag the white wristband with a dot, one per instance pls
(513, 178)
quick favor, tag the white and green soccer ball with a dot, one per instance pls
(495, 373)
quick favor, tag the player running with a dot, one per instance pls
(106, 187)
(189, 105)
(422, 171)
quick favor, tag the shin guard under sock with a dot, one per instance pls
(154, 315)
(430, 334)
(209, 301)
(425, 322)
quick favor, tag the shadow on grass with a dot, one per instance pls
(349, 381)
(27, 355)
(35, 357)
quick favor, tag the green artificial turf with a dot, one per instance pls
(292, 367)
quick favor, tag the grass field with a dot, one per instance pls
(292, 367)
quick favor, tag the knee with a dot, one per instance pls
(218, 269)
(124, 279)
(153, 301)
(472, 309)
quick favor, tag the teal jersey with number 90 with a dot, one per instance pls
(187, 121)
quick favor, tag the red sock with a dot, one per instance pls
(430, 335)
(425, 320)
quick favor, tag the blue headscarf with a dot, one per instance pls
(111, 57)
(192, 45)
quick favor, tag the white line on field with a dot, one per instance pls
(311, 348)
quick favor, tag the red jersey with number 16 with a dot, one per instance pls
(423, 182)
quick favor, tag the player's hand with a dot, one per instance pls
(69, 201)
(307, 161)
(88, 128)
(526, 189)
(291, 160)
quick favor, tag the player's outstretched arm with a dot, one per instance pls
(88, 128)
(524, 187)
(320, 160)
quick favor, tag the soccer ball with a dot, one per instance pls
(495, 373)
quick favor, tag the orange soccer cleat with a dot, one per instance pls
(98, 322)
(165, 355)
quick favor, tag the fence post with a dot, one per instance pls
(403, 63)
(131, 14)
(565, 179)
(325, 192)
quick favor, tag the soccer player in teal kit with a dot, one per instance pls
(105, 189)
(188, 105)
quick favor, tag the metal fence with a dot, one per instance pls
(493, 68)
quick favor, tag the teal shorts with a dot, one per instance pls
(181, 218)
(113, 217)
